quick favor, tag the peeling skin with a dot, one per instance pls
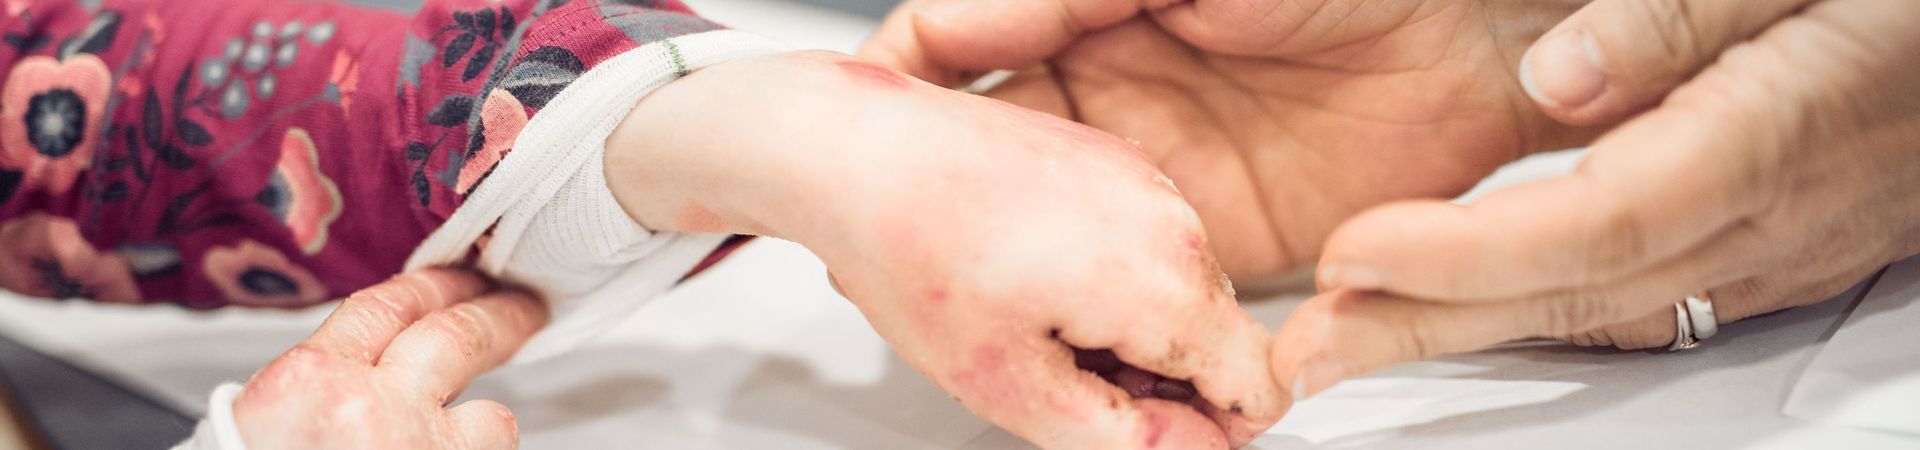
(698, 219)
(1082, 137)
(869, 74)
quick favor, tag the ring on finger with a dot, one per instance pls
(1694, 321)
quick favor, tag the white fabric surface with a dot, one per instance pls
(1868, 374)
(217, 431)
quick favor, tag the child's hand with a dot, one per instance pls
(985, 242)
(382, 370)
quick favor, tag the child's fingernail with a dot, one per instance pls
(1564, 70)
(945, 11)
(1316, 375)
(1350, 276)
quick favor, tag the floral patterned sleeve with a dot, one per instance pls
(269, 152)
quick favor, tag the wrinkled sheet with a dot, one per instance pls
(1868, 373)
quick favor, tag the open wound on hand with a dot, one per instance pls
(1139, 383)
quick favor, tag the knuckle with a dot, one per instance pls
(1641, 335)
(1720, 110)
(301, 367)
(377, 302)
(1574, 313)
(302, 358)
(1421, 338)
(364, 318)
(1673, 25)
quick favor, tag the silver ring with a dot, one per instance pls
(1693, 321)
(1682, 330)
(1700, 309)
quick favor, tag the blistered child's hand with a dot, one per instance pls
(987, 243)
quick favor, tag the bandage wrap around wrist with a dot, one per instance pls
(551, 221)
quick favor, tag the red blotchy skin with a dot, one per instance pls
(989, 377)
(874, 75)
(698, 219)
(1156, 427)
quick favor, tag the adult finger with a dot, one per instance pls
(368, 320)
(1790, 288)
(1709, 158)
(1617, 57)
(449, 348)
(1345, 333)
(937, 40)
(1651, 190)
(484, 425)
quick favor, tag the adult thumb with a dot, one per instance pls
(1615, 58)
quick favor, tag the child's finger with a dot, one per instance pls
(449, 348)
(367, 321)
(1223, 352)
(1033, 389)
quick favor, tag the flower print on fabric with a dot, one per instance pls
(343, 81)
(253, 274)
(45, 256)
(246, 66)
(49, 118)
(501, 120)
(300, 195)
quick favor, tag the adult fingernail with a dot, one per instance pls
(1351, 276)
(1318, 374)
(1564, 70)
(945, 11)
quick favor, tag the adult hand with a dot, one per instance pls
(381, 370)
(1783, 172)
(987, 243)
(1304, 112)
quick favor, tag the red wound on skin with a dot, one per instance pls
(1138, 383)
(871, 74)
(698, 219)
(1156, 427)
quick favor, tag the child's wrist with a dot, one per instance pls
(727, 149)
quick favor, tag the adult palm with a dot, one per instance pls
(1278, 119)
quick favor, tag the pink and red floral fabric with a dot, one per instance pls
(269, 153)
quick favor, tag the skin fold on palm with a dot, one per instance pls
(1306, 112)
